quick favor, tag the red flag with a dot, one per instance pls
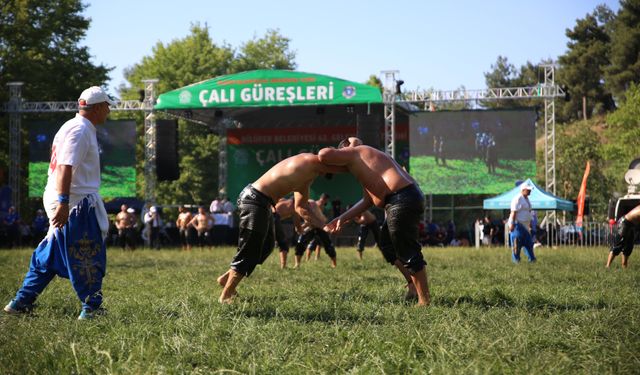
(581, 196)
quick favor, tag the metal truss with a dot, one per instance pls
(389, 99)
(16, 107)
(532, 92)
(149, 140)
(425, 99)
(15, 141)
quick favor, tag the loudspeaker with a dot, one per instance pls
(368, 130)
(167, 150)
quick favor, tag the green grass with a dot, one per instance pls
(469, 176)
(117, 181)
(565, 314)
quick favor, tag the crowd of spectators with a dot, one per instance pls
(156, 227)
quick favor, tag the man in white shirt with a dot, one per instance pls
(74, 246)
(520, 224)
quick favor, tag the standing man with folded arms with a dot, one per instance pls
(74, 246)
(385, 184)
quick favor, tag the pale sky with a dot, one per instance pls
(433, 44)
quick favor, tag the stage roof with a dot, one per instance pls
(268, 88)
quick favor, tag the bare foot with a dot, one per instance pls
(227, 300)
(412, 293)
(222, 280)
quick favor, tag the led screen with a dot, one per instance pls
(472, 152)
(116, 140)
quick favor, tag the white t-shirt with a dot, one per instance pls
(522, 207)
(76, 144)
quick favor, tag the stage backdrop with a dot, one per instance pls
(251, 152)
(472, 152)
(116, 140)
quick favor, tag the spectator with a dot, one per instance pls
(153, 222)
(226, 206)
(488, 231)
(11, 222)
(215, 206)
(40, 226)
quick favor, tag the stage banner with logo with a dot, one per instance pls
(251, 152)
(268, 88)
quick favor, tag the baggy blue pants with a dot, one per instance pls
(521, 238)
(76, 252)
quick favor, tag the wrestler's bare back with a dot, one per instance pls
(285, 208)
(292, 174)
(378, 174)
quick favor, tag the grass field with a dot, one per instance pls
(469, 176)
(565, 314)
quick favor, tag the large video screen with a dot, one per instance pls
(116, 141)
(472, 152)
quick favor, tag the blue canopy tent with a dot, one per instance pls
(540, 200)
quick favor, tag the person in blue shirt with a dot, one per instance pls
(40, 225)
(12, 222)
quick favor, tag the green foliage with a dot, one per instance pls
(564, 315)
(625, 49)
(505, 74)
(582, 66)
(185, 61)
(375, 81)
(576, 144)
(623, 132)
(39, 46)
(269, 52)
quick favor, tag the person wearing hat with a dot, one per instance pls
(520, 224)
(74, 246)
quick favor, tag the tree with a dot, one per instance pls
(39, 45)
(582, 66)
(269, 52)
(576, 144)
(625, 49)
(375, 81)
(622, 133)
(192, 59)
(504, 74)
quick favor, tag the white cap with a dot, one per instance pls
(526, 185)
(94, 95)
(153, 209)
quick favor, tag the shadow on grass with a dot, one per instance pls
(497, 299)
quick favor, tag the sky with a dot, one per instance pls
(442, 44)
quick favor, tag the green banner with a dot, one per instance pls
(268, 88)
(251, 152)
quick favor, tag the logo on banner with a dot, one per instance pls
(185, 97)
(349, 92)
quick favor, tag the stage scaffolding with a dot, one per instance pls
(17, 106)
(392, 97)
(546, 91)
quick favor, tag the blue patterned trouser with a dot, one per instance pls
(519, 238)
(76, 252)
